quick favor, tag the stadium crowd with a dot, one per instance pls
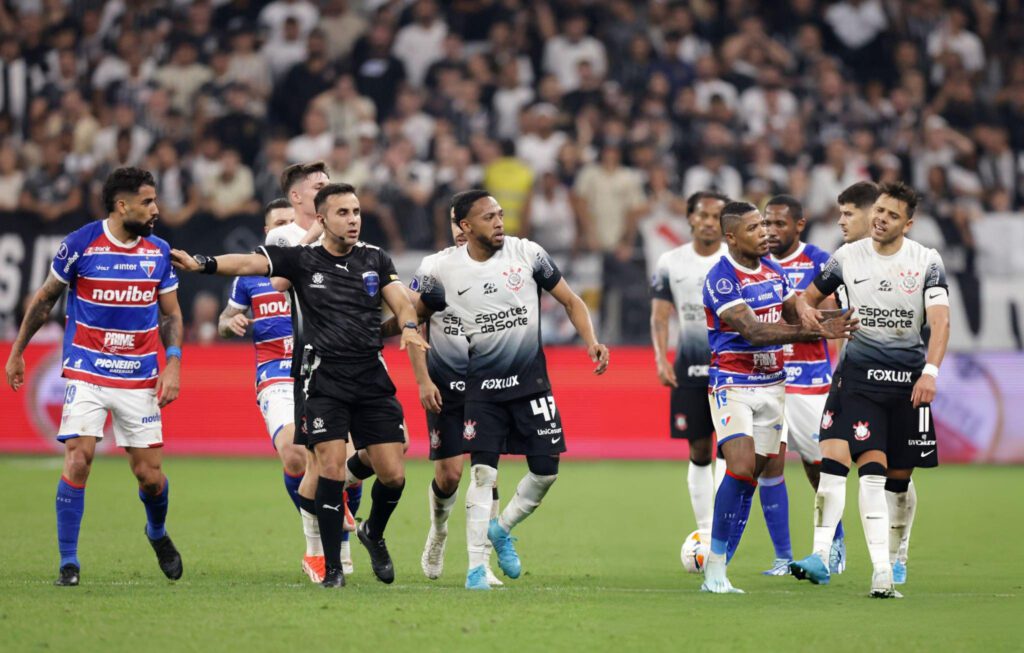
(589, 121)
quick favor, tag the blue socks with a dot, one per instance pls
(70, 507)
(156, 511)
(732, 494)
(839, 531)
(355, 497)
(742, 517)
(291, 484)
(775, 505)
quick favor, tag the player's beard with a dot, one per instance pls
(140, 229)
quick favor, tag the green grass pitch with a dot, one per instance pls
(600, 559)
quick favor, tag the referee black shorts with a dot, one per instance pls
(300, 413)
(356, 398)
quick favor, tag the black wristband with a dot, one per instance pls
(208, 263)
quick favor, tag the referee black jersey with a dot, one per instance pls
(340, 296)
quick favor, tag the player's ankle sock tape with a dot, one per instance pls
(897, 485)
(385, 500)
(494, 493)
(543, 465)
(309, 505)
(358, 468)
(833, 467)
(487, 458)
(871, 469)
(330, 515)
(701, 463)
(439, 493)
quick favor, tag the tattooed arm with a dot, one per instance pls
(35, 317)
(169, 383)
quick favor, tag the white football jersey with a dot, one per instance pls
(448, 357)
(498, 303)
(679, 278)
(288, 235)
(890, 295)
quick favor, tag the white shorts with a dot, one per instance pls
(277, 403)
(752, 412)
(135, 413)
(803, 422)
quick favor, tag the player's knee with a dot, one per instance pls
(331, 469)
(293, 459)
(543, 466)
(899, 474)
(392, 477)
(77, 464)
(150, 477)
(775, 466)
(700, 452)
(448, 477)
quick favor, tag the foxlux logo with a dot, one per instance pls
(129, 294)
(890, 376)
(500, 384)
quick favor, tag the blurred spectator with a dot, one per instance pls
(509, 180)
(952, 39)
(563, 53)
(50, 191)
(345, 25)
(238, 129)
(247, 65)
(12, 178)
(607, 191)
(282, 52)
(276, 16)
(540, 143)
(550, 217)
(315, 142)
(183, 75)
(345, 108)
(345, 167)
(231, 190)
(713, 172)
(303, 82)
(179, 195)
(124, 119)
(838, 171)
(202, 329)
(378, 72)
(419, 44)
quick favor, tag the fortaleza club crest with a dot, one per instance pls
(826, 420)
(514, 279)
(148, 267)
(435, 438)
(909, 281)
(469, 430)
(371, 283)
(861, 430)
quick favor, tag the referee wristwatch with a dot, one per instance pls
(410, 325)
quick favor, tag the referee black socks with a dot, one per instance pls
(330, 514)
(385, 500)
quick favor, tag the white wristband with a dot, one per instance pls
(931, 370)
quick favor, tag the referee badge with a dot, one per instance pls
(371, 283)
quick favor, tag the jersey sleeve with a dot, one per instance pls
(831, 276)
(936, 290)
(431, 290)
(239, 297)
(386, 270)
(720, 292)
(660, 288)
(787, 288)
(545, 271)
(424, 271)
(65, 261)
(278, 237)
(284, 261)
(169, 279)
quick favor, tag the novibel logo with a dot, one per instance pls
(771, 316)
(130, 294)
(278, 307)
(118, 365)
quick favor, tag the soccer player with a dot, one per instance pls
(808, 377)
(122, 301)
(677, 287)
(880, 416)
(340, 284)
(855, 220)
(443, 398)
(746, 298)
(493, 286)
(272, 336)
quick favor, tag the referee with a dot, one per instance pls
(340, 284)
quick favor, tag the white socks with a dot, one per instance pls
(311, 530)
(529, 493)
(829, 503)
(902, 507)
(479, 503)
(874, 518)
(440, 508)
(700, 480)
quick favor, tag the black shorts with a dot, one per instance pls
(446, 429)
(300, 413)
(691, 413)
(882, 421)
(352, 398)
(529, 426)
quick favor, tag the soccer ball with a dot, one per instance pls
(694, 552)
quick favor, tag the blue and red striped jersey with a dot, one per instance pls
(734, 361)
(271, 328)
(113, 315)
(808, 366)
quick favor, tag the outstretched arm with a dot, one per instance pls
(232, 321)
(35, 317)
(579, 315)
(759, 333)
(938, 322)
(661, 310)
(228, 265)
